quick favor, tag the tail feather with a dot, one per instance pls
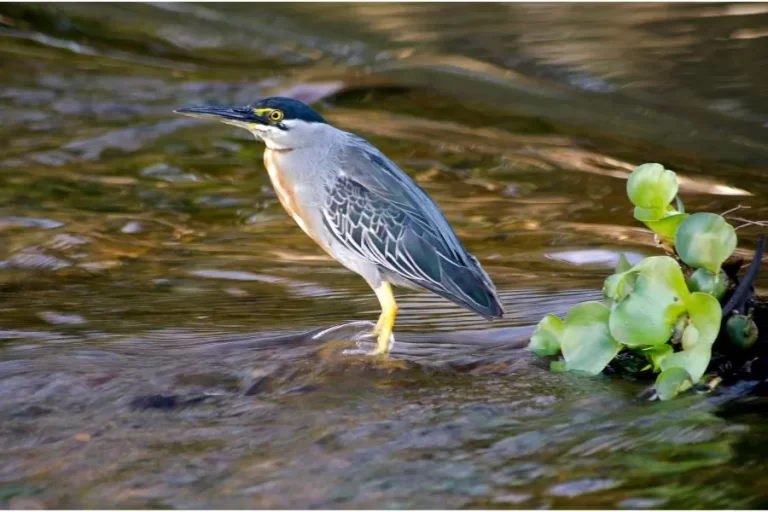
(454, 275)
(470, 288)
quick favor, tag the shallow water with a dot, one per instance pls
(159, 309)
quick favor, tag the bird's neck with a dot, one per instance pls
(270, 143)
(278, 150)
(274, 146)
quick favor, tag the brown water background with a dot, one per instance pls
(158, 305)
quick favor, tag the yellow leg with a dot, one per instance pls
(386, 321)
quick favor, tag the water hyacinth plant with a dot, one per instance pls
(651, 309)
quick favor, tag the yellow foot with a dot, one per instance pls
(367, 347)
(357, 332)
(382, 332)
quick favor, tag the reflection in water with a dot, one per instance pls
(359, 333)
(165, 324)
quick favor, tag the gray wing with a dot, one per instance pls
(378, 212)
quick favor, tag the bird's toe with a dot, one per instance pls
(365, 347)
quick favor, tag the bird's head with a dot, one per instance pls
(280, 122)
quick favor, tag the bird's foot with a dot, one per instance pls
(368, 345)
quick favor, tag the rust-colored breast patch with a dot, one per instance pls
(285, 190)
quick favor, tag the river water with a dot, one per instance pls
(159, 308)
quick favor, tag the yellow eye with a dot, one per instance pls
(275, 115)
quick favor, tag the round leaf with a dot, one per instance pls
(694, 361)
(586, 343)
(702, 280)
(545, 340)
(651, 186)
(706, 315)
(665, 268)
(672, 382)
(705, 240)
(647, 314)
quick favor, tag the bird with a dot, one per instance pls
(361, 208)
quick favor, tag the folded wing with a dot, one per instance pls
(383, 216)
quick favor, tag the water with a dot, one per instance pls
(159, 307)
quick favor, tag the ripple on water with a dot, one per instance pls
(579, 487)
(160, 311)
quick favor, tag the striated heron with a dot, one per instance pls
(361, 208)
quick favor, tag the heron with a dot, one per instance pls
(361, 208)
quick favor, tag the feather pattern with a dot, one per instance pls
(376, 211)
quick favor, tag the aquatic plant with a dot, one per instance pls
(651, 309)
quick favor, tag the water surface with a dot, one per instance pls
(159, 307)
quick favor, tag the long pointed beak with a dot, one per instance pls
(239, 116)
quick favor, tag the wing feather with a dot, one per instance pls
(378, 212)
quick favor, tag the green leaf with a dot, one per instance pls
(651, 186)
(698, 337)
(649, 214)
(618, 285)
(545, 340)
(706, 316)
(586, 343)
(656, 355)
(647, 314)
(623, 264)
(667, 227)
(694, 361)
(665, 269)
(705, 240)
(702, 280)
(672, 382)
